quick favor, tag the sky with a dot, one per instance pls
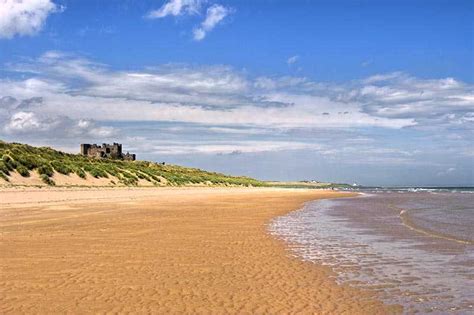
(368, 92)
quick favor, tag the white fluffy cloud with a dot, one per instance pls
(24, 122)
(176, 8)
(175, 112)
(430, 102)
(75, 87)
(26, 117)
(179, 109)
(24, 17)
(31, 123)
(215, 14)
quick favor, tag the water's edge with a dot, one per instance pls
(373, 244)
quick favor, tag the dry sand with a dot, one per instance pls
(191, 250)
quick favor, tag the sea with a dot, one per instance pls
(412, 246)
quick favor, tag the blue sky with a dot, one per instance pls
(374, 92)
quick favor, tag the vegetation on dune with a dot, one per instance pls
(25, 159)
(4, 176)
(47, 180)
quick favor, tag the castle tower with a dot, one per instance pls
(85, 148)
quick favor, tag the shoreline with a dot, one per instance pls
(195, 250)
(367, 244)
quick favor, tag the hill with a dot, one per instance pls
(22, 164)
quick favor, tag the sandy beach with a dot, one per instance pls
(161, 250)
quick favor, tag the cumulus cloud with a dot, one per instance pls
(25, 17)
(180, 110)
(31, 123)
(444, 101)
(215, 14)
(220, 94)
(27, 117)
(24, 122)
(176, 8)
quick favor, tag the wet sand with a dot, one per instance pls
(188, 250)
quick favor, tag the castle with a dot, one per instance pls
(111, 151)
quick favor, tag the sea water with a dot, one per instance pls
(414, 247)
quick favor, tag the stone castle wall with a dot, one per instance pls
(110, 151)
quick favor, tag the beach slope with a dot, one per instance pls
(189, 250)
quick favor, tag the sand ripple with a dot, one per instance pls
(177, 252)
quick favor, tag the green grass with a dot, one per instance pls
(4, 176)
(61, 167)
(45, 161)
(4, 169)
(22, 170)
(80, 172)
(46, 170)
(47, 180)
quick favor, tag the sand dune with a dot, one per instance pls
(71, 180)
(192, 250)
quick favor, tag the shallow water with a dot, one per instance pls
(414, 248)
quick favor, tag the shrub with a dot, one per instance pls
(3, 168)
(80, 172)
(4, 176)
(129, 175)
(46, 169)
(129, 181)
(155, 178)
(95, 171)
(45, 178)
(61, 168)
(9, 162)
(142, 176)
(150, 176)
(111, 169)
(23, 171)
(27, 161)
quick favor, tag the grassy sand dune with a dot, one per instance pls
(167, 250)
(21, 164)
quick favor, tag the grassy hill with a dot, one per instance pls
(50, 165)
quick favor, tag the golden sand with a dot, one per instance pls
(161, 251)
